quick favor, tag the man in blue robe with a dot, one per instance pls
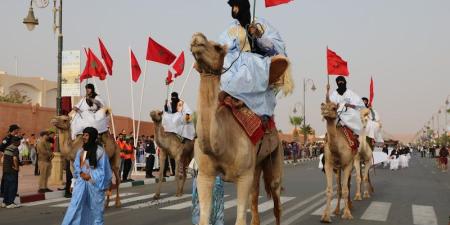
(93, 177)
(252, 47)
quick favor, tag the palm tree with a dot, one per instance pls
(296, 121)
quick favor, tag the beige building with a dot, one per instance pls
(39, 90)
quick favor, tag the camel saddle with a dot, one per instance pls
(249, 121)
(352, 139)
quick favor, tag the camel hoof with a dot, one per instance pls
(366, 195)
(118, 204)
(106, 205)
(178, 195)
(337, 212)
(347, 215)
(156, 197)
(358, 197)
(325, 219)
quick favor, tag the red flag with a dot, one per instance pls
(158, 53)
(336, 65)
(135, 68)
(372, 94)
(178, 66)
(169, 79)
(94, 67)
(270, 3)
(106, 57)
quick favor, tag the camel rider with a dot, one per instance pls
(89, 112)
(177, 118)
(248, 75)
(373, 127)
(349, 106)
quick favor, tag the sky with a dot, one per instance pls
(403, 44)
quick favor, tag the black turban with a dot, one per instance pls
(91, 145)
(342, 87)
(244, 15)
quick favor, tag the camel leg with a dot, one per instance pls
(118, 204)
(337, 210)
(243, 184)
(162, 166)
(372, 190)
(357, 165)
(367, 184)
(273, 172)
(255, 195)
(345, 192)
(329, 192)
(205, 185)
(177, 176)
(186, 160)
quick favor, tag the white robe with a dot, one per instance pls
(373, 128)
(89, 116)
(348, 116)
(176, 122)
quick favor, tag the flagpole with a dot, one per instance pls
(109, 103)
(187, 78)
(254, 10)
(140, 105)
(132, 97)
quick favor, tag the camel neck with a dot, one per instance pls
(332, 133)
(207, 107)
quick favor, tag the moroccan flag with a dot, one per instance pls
(106, 57)
(336, 65)
(135, 68)
(178, 66)
(158, 53)
(270, 3)
(93, 68)
(372, 94)
(169, 77)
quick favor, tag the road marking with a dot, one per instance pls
(111, 203)
(232, 203)
(320, 210)
(377, 211)
(183, 205)
(263, 207)
(295, 207)
(424, 215)
(156, 202)
(292, 219)
(45, 201)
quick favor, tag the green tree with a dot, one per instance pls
(15, 96)
(296, 121)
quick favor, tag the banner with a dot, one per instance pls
(70, 80)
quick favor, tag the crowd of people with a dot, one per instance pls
(294, 150)
(440, 153)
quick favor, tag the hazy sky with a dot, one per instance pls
(403, 44)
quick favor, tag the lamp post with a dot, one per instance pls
(313, 88)
(30, 21)
(446, 111)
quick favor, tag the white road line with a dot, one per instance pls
(156, 202)
(111, 203)
(183, 205)
(424, 215)
(377, 211)
(45, 201)
(232, 203)
(295, 207)
(263, 207)
(319, 211)
(292, 219)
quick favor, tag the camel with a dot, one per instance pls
(338, 157)
(364, 156)
(69, 148)
(171, 145)
(222, 146)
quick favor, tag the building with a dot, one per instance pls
(39, 90)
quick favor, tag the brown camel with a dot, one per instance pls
(222, 146)
(171, 145)
(364, 156)
(70, 147)
(338, 157)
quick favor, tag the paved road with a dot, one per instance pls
(417, 195)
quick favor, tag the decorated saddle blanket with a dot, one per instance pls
(351, 138)
(249, 121)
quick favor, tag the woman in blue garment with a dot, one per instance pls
(93, 177)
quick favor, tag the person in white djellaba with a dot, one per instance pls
(349, 106)
(373, 128)
(177, 118)
(89, 112)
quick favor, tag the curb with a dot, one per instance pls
(27, 198)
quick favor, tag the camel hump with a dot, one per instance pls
(278, 67)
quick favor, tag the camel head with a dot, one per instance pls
(209, 55)
(364, 114)
(61, 122)
(156, 116)
(329, 110)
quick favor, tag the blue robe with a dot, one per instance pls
(217, 216)
(248, 77)
(86, 206)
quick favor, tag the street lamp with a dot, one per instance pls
(30, 21)
(313, 88)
